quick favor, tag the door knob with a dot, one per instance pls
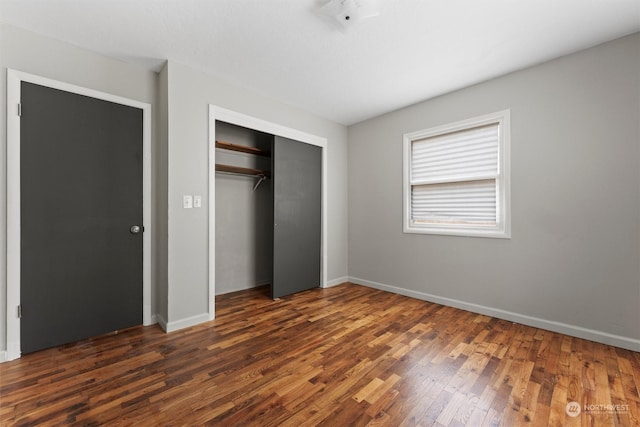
(135, 229)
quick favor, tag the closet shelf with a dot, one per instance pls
(241, 171)
(242, 148)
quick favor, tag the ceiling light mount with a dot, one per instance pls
(346, 14)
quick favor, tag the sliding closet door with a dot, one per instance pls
(297, 195)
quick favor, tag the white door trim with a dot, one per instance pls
(228, 116)
(14, 79)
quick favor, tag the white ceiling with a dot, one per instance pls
(415, 49)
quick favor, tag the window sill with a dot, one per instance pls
(493, 233)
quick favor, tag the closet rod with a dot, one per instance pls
(261, 176)
(243, 174)
(237, 170)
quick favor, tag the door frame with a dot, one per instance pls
(233, 117)
(14, 80)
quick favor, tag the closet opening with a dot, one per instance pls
(267, 217)
(244, 208)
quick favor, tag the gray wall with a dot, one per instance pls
(244, 218)
(30, 53)
(573, 261)
(179, 98)
(189, 94)
(574, 258)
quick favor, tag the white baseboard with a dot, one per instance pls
(550, 325)
(183, 323)
(12, 353)
(338, 281)
(148, 318)
(162, 322)
(13, 350)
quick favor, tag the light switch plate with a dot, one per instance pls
(187, 202)
(197, 201)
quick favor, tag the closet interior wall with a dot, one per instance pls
(244, 216)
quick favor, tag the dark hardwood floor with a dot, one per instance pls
(343, 356)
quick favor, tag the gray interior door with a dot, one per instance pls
(81, 192)
(297, 199)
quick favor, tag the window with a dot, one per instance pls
(456, 178)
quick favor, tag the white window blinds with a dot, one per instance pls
(458, 155)
(454, 177)
(471, 202)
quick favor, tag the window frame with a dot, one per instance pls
(502, 228)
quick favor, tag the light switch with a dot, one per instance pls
(197, 201)
(187, 202)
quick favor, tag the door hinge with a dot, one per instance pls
(20, 312)
(19, 110)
